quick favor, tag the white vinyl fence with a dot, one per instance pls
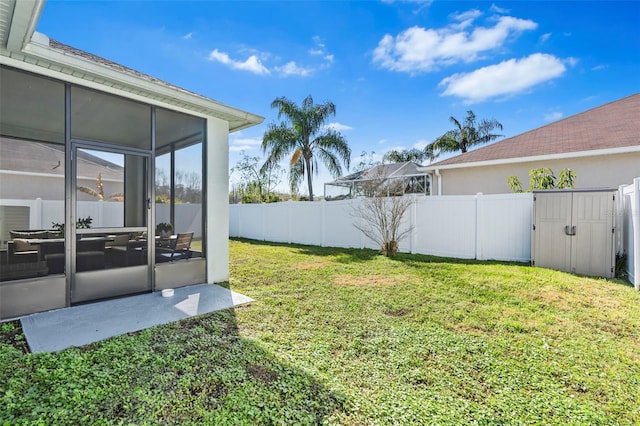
(629, 204)
(469, 227)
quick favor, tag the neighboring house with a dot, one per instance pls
(399, 179)
(601, 145)
(67, 116)
(36, 170)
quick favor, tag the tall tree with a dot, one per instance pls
(415, 155)
(256, 184)
(464, 136)
(303, 135)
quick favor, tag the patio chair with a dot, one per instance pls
(123, 251)
(179, 250)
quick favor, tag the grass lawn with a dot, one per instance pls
(343, 336)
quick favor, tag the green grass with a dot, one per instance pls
(342, 336)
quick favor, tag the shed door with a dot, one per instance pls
(593, 241)
(552, 246)
(574, 232)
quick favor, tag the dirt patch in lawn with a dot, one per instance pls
(311, 265)
(367, 280)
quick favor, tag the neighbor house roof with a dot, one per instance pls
(382, 171)
(17, 157)
(609, 128)
(20, 44)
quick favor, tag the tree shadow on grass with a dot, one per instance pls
(418, 260)
(342, 255)
(195, 371)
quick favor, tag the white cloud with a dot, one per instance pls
(465, 18)
(600, 67)
(255, 62)
(497, 9)
(419, 49)
(338, 127)
(252, 64)
(421, 144)
(238, 144)
(320, 49)
(544, 37)
(291, 68)
(553, 116)
(187, 36)
(504, 79)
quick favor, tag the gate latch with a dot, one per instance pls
(570, 230)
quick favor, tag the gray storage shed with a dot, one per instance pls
(573, 231)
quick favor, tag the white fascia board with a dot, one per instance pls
(103, 75)
(25, 17)
(577, 154)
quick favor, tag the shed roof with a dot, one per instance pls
(615, 125)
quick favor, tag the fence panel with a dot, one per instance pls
(234, 210)
(306, 222)
(276, 222)
(503, 221)
(446, 226)
(250, 221)
(339, 229)
(630, 202)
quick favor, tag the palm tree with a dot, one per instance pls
(465, 136)
(305, 136)
(99, 191)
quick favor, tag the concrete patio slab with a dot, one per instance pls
(80, 325)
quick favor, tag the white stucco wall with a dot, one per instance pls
(217, 193)
(605, 171)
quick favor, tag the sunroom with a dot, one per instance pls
(112, 182)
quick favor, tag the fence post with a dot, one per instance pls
(289, 220)
(262, 220)
(635, 218)
(323, 224)
(479, 242)
(414, 215)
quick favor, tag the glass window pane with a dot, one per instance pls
(101, 117)
(180, 137)
(100, 188)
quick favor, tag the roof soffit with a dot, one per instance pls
(18, 20)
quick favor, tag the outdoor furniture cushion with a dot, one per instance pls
(22, 244)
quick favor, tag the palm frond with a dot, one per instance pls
(295, 157)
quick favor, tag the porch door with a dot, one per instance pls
(112, 244)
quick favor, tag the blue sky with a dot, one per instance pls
(396, 70)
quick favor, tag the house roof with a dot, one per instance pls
(21, 46)
(382, 171)
(16, 156)
(612, 127)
